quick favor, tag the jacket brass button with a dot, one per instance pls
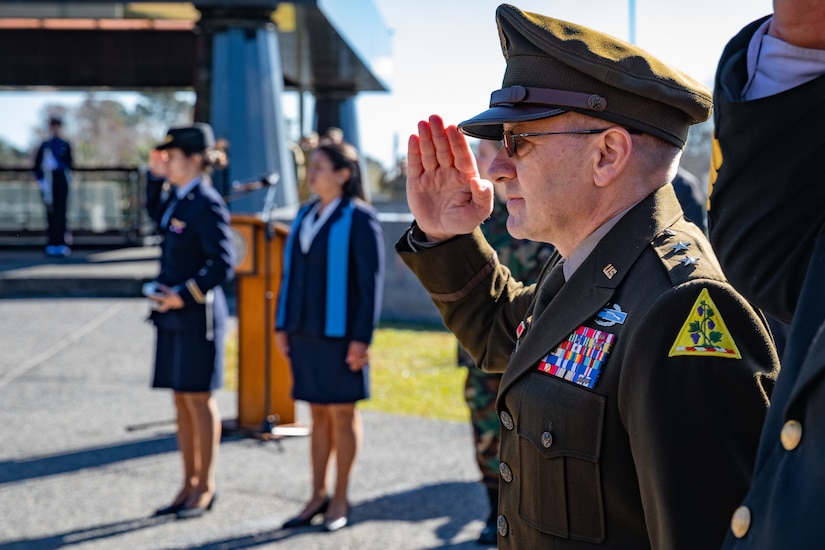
(791, 435)
(506, 472)
(506, 420)
(501, 525)
(546, 439)
(741, 522)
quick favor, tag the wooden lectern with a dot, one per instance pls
(258, 275)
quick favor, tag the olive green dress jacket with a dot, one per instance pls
(632, 404)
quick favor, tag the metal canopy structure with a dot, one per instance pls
(237, 55)
(97, 44)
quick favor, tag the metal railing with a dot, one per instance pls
(105, 207)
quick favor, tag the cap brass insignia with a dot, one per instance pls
(704, 332)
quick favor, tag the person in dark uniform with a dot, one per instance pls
(190, 310)
(328, 307)
(634, 375)
(53, 169)
(691, 194)
(767, 223)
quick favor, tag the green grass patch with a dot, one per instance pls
(412, 372)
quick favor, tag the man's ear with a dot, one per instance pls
(614, 152)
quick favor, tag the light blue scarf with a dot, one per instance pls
(337, 271)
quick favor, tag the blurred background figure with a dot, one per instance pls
(525, 260)
(53, 170)
(189, 306)
(328, 308)
(306, 145)
(395, 183)
(692, 195)
(333, 134)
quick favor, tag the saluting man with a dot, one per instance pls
(632, 398)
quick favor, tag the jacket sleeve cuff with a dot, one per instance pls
(466, 260)
(191, 293)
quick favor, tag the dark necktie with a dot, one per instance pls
(549, 287)
(167, 213)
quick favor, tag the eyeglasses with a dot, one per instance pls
(511, 139)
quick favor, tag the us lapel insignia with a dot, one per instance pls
(704, 332)
(579, 358)
(609, 271)
(610, 316)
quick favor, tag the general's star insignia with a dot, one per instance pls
(680, 246)
(689, 261)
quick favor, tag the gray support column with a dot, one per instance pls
(335, 109)
(246, 108)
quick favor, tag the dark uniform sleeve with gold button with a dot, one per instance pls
(654, 446)
(767, 214)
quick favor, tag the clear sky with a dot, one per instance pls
(447, 58)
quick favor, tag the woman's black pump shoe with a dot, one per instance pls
(299, 521)
(168, 510)
(189, 513)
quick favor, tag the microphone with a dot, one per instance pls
(240, 189)
(266, 180)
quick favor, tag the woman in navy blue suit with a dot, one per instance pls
(328, 307)
(190, 308)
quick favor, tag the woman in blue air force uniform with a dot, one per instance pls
(190, 308)
(327, 310)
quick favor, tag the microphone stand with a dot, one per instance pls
(270, 421)
(241, 189)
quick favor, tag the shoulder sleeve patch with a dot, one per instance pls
(704, 332)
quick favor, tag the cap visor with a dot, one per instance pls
(489, 124)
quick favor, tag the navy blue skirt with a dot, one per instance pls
(320, 373)
(186, 361)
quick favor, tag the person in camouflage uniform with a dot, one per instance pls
(525, 260)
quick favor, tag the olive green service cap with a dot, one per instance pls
(554, 66)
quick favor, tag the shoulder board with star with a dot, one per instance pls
(686, 254)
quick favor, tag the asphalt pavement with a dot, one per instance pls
(88, 449)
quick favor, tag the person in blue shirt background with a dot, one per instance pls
(53, 170)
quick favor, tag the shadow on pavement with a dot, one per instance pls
(79, 536)
(405, 506)
(21, 470)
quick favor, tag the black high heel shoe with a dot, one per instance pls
(194, 512)
(299, 521)
(169, 510)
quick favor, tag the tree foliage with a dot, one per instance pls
(11, 156)
(104, 131)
